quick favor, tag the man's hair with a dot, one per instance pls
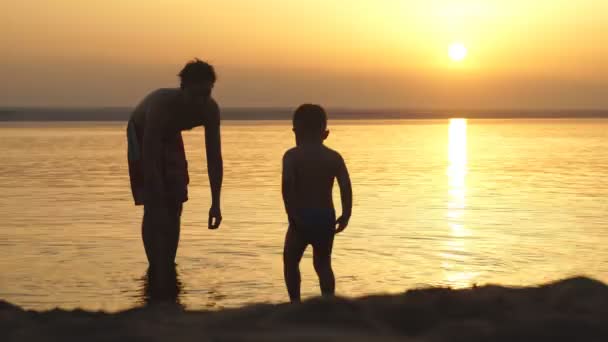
(197, 71)
(310, 120)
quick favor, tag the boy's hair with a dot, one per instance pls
(197, 71)
(310, 120)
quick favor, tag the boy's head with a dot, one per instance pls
(310, 123)
(196, 81)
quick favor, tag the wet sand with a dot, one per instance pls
(573, 309)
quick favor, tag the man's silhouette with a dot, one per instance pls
(157, 161)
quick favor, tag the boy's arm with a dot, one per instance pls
(346, 195)
(288, 185)
(215, 163)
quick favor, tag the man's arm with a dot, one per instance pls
(153, 149)
(346, 195)
(215, 163)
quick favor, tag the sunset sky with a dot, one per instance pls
(356, 53)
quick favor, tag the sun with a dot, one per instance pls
(457, 52)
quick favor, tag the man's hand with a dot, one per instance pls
(342, 223)
(215, 217)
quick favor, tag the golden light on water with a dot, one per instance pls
(454, 262)
(457, 154)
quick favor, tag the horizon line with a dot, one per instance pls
(332, 108)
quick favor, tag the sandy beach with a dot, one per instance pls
(574, 309)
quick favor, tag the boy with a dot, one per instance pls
(309, 170)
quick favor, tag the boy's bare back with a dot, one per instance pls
(311, 170)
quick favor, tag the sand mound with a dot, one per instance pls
(570, 310)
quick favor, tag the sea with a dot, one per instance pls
(437, 203)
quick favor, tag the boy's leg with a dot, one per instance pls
(322, 262)
(292, 254)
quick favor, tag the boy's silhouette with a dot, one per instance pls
(309, 170)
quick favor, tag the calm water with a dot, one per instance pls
(436, 203)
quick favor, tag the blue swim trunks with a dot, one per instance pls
(314, 224)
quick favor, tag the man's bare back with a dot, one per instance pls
(160, 106)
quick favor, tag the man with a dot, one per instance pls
(157, 161)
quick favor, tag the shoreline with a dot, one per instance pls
(569, 309)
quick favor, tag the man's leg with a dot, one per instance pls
(322, 263)
(173, 232)
(157, 291)
(292, 254)
(151, 235)
(160, 233)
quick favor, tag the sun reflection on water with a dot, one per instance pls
(455, 255)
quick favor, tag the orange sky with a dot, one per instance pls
(357, 53)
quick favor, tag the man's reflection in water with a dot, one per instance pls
(161, 288)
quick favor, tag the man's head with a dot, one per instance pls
(310, 123)
(197, 80)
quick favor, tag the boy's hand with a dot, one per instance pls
(215, 217)
(342, 223)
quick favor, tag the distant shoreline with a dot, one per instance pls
(15, 114)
